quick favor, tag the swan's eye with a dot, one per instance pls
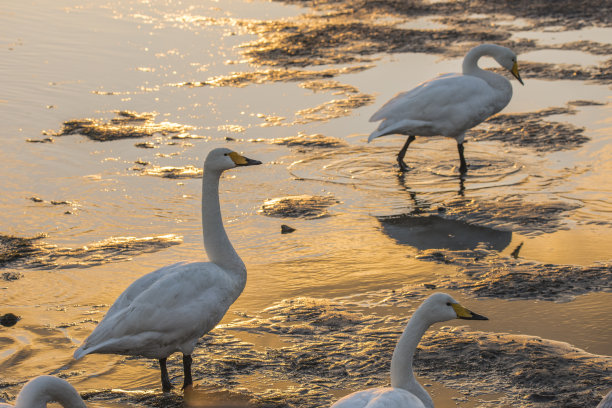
(225, 154)
(448, 303)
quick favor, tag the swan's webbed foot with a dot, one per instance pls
(165, 379)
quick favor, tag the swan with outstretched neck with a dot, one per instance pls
(43, 389)
(405, 390)
(450, 104)
(168, 310)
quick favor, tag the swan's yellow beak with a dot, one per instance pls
(463, 313)
(242, 161)
(515, 72)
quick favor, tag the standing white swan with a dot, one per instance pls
(405, 391)
(40, 390)
(168, 310)
(451, 103)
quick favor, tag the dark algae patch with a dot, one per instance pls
(531, 371)
(302, 206)
(531, 130)
(310, 141)
(18, 252)
(127, 124)
(486, 273)
(16, 248)
(342, 39)
(241, 79)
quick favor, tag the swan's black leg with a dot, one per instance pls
(187, 371)
(166, 385)
(463, 167)
(402, 153)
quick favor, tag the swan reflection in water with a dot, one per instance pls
(423, 230)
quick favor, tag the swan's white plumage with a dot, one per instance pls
(405, 391)
(165, 311)
(46, 388)
(444, 106)
(606, 401)
(168, 310)
(449, 104)
(380, 398)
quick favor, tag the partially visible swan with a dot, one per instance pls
(405, 391)
(451, 103)
(168, 310)
(606, 402)
(40, 390)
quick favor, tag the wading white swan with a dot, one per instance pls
(168, 310)
(405, 391)
(40, 390)
(451, 103)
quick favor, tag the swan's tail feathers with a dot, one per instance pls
(375, 134)
(80, 352)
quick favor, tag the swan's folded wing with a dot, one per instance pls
(448, 105)
(173, 309)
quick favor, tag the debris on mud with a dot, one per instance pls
(52, 202)
(302, 206)
(43, 140)
(285, 229)
(18, 252)
(126, 125)
(9, 319)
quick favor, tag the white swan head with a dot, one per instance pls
(222, 159)
(507, 59)
(441, 307)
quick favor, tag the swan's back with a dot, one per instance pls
(165, 311)
(447, 106)
(387, 397)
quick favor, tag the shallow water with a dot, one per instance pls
(524, 238)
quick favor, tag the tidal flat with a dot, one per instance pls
(109, 109)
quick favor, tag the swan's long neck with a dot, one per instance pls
(38, 392)
(218, 246)
(470, 67)
(402, 375)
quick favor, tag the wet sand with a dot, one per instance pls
(109, 110)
